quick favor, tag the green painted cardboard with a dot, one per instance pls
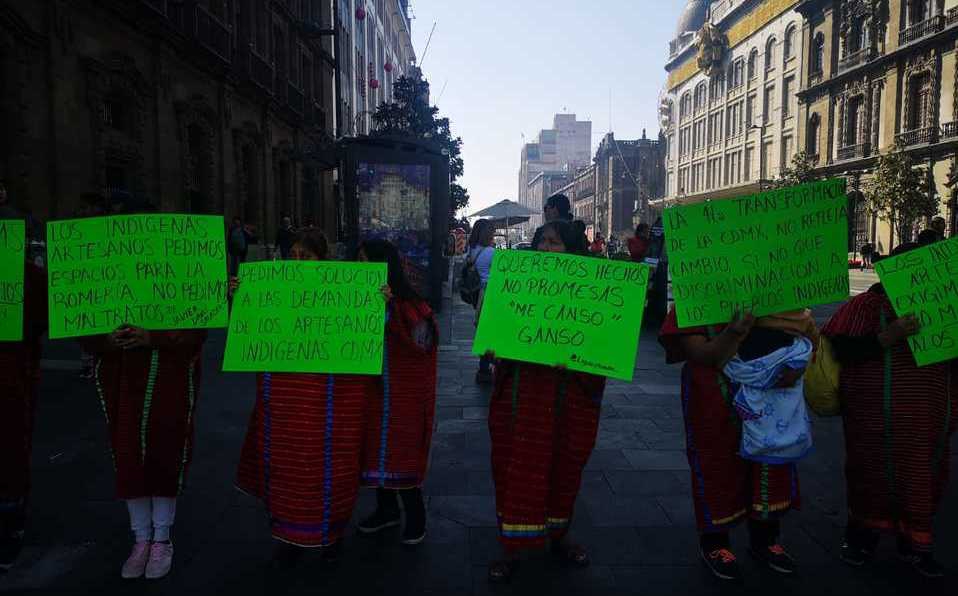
(12, 244)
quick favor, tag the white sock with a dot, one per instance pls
(141, 522)
(164, 512)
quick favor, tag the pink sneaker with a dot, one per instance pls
(136, 564)
(161, 559)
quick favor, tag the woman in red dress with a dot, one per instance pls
(726, 488)
(401, 409)
(19, 381)
(543, 422)
(303, 449)
(148, 383)
(899, 419)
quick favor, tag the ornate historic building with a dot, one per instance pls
(880, 73)
(207, 106)
(729, 109)
(628, 175)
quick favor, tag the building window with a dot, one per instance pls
(685, 106)
(787, 86)
(701, 96)
(747, 166)
(919, 101)
(737, 70)
(715, 89)
(750, 111)
(766, 161)
(115, 114)
(918, 11)
(818, 54)
(768, 104)
(854, 121)
(770, 54)
(814, 127)
(788, 150)
(753, 64)
(855, 40)
(788, 48)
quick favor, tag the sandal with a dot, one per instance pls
(501, 572)
(572, 555)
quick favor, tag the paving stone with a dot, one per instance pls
(612, 511)
(656, 459)
(608, 459)
(475, 413)
(646, 483)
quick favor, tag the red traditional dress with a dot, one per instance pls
(303, 452)
(543, 422)
(725, 487)
(898, 422)
(401, 409)
(149, 398)
(19, 380)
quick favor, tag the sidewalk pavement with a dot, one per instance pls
(634, 513)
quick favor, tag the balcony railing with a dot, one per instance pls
(853, 151)
(921, 30)
(951, 17)
(949, 130)
(295, 98)
(213, 34)
(261, 72)
(918, 136)
(815, 77)
(854, 59)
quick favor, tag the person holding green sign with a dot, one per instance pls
(148, 383)
(543, 422)
(19, 382)
(401, 409)
(726, 487)
(899, 419)
(303, 449)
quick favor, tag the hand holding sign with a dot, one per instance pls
(156, 271)
(767, 253)
(563, 310)
(924, 283)
(12, 242)
(307, 316)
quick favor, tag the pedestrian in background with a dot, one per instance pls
(543, 422)
(726, 488)
(639, 244)
(401, 407)
(598, 245)
(148, 383)
(238, 240)
(302, 454)
(19, 389)
(899, 419)
(285, 237)
(481, 253)
(556, 207)
(939, 225)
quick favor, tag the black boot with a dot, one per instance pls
(386, 514)
(415, 508)
(12, 523)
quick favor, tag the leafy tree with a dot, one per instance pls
(410, 115)
(801, 171)
(900, 193)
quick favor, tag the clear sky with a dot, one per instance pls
(509, 65)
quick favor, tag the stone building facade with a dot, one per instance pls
(374, 49)
(581, 193)
(628, 176)
(729, 107)
(204, 106)
(881, 73)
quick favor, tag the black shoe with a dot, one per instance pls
(855, 556)
(415, 510)
(380, 520)
(924, 563)
(775, 558)
(10, 548)
(723, 564)
(286, 555)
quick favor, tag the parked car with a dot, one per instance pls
(522, 246)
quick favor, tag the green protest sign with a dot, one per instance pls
(558, 309)
(768, 253)
(924, 282)
(12, 243)
(308, 317)
(157, 271)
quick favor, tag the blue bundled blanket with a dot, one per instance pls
(775, 425)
